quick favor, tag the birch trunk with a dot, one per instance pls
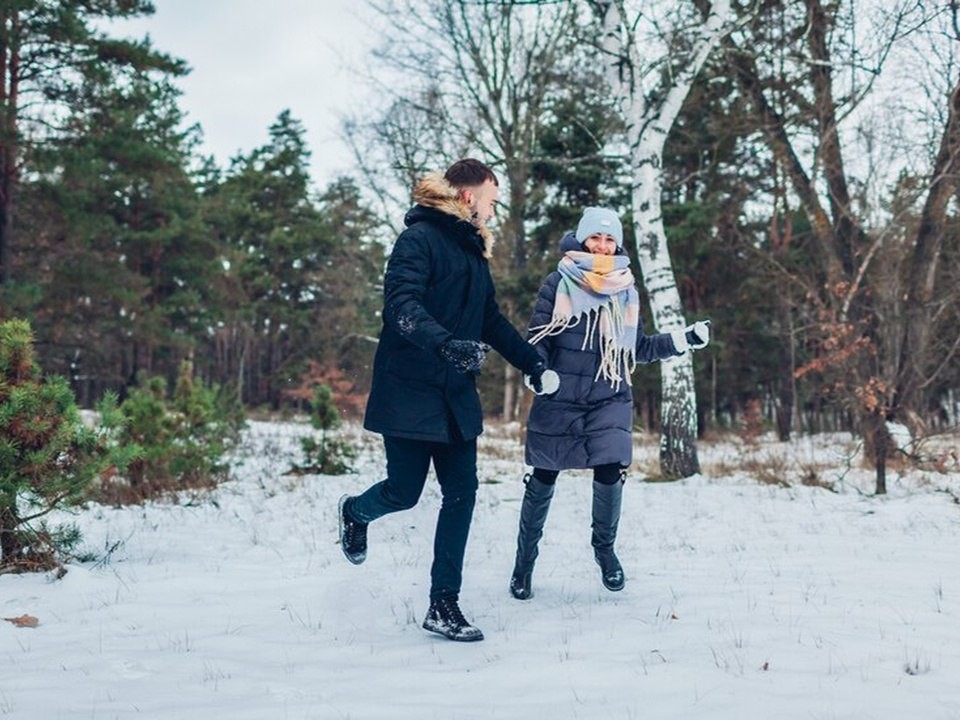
(9, 146)
(648, 124)
(678, 433)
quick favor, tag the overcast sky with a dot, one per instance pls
(252, 59)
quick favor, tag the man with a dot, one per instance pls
(440, 318)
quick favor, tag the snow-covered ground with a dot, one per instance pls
(745, 599)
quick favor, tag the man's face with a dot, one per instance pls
(482, 200)
(601, 244)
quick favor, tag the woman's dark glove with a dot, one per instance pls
(466, 356)
(534, 378)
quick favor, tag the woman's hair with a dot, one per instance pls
(469, 173)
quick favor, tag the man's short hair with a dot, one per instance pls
(469, 173)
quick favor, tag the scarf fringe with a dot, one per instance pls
(606, 323)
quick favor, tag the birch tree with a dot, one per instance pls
(651, 91)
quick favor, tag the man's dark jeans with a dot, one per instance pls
(407, 464)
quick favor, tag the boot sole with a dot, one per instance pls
(454, 638)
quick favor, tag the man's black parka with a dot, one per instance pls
(437, 287)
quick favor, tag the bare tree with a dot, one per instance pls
(470, 76)
(806, 109)
(652, 90)
(917, 365)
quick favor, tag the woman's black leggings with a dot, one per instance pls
(603, 474)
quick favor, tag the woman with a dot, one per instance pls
(586, 326)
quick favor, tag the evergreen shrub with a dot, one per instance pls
(184, 439)
(49, 458)
(325, 455)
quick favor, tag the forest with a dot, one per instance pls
(186, 349)
(786, 169)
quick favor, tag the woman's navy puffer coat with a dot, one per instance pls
(587, 422)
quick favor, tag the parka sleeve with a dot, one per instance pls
(404, 286)
(503, 337)
(651, 348)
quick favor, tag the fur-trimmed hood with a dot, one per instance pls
(433, 191)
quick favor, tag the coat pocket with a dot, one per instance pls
(415, 365)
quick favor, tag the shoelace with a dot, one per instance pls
(355, 532)
(451, 611)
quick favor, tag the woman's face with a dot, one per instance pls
(600, 244)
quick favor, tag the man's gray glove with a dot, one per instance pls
(466, 356)
(692, 337)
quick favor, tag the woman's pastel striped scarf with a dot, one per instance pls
(598, 290)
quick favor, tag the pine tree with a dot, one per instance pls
(271, 231)
(129, 277)
(348, 282)
(49, 52)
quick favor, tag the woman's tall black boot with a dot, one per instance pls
(533, 514)
(607, 500)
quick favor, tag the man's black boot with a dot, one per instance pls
(353, 534)
(444, 617)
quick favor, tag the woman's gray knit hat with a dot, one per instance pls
(600, 220)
